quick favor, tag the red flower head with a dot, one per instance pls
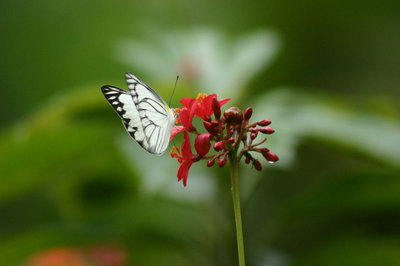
(228, 131)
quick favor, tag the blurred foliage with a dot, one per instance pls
(324, 73)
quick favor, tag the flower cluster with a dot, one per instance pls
(227, 131)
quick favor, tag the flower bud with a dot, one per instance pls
(216, 108)
(233, 116)
(264, 151)
(247, 160)
(253, 135)
(215, 124)
(270, 157)
(222, 160)
(202, 144)
(218, 146)
(257, 165)
(209, 127)
(267, 130)
(248, 113)
(231, 140)
(264, 122)
(211, 162)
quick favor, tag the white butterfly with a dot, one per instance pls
(145, 115)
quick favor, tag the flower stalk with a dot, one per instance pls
(234, 169)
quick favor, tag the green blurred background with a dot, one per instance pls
(76, 190)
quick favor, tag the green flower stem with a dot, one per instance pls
(236, 205)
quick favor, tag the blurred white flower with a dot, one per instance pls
(214, 62)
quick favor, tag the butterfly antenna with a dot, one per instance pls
(176, 82)
(169, 104)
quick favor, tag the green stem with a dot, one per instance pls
(236, 205)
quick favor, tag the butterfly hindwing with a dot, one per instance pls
(157, 118)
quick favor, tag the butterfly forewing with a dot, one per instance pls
(121, 101)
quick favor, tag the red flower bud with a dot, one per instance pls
(248, 113)
(222, 160)
(253, 135)
(218, 146)
(257, 165)
(264, 122)
(267, 130)
(231, 140)
(211, 162)
(247, 160)
(233, 116)
(209, 127)
(202, 144)
(270, 157)
(215, 124)
(216, 108)
(264, 151)
(253, 130)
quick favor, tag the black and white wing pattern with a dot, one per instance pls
(145, 115)
(156, 117)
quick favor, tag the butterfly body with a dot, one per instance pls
(145, 115)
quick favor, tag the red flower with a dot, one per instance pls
(186, 158)
(185, 116)
(201, 106)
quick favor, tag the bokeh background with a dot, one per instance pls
(76, 190)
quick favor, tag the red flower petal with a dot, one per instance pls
(188, 102)
(183, 171)
(176, 130)
(202, 144)
(186, 149)
(224, 101)
(186, 116)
